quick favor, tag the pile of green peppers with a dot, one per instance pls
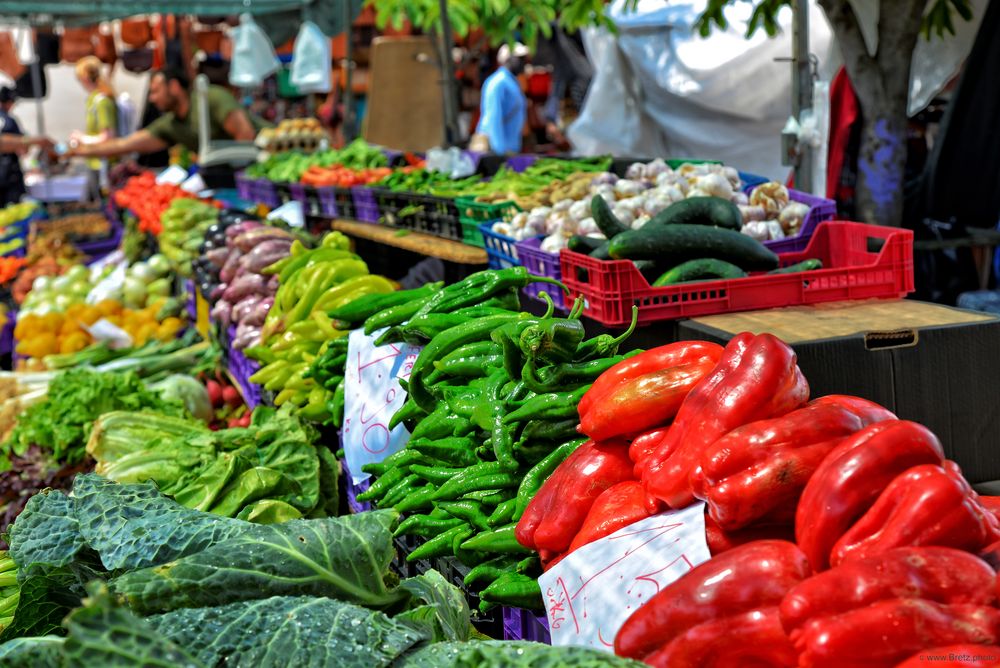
(492, 411)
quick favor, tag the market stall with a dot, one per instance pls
(660, 411)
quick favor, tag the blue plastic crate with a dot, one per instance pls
(499, 248)
(752, 180)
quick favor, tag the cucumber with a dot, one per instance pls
(805, 265)
(711, 211)
(585, 245)
(673, 244)
(649, 269)
(698, 270)
(605, 219)
(601, 252)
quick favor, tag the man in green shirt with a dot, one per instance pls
(169, 91)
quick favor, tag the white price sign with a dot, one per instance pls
(589, 594)
(372, 395)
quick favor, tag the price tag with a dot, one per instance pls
(194, 185)
(290, 212)
(173, 175)
(589, 594)
(371, 396)
(106, 332)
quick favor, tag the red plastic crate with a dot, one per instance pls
(860, 262)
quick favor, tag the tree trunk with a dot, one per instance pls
(881, 162)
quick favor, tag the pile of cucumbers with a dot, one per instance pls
(695, 239)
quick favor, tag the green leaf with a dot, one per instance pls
(287, 631)
(134, 526)
(111, 637)
(501, 654)
(343, 557)
(40, 652)
(445, 615)
(46, 534)
(44, 602)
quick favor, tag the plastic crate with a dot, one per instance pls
(860, 262)
(500, 249)
(521, 624)
(265, 192)
(752, 180)
(284, 191)
(365, 206)
(472, 214)
(307, 197)
(541, 263)
(420, 213)
(519, 163)
(242, 368)
(820, 209)
(353, 490)
(245, 186)
(95, 250)
(7, 334)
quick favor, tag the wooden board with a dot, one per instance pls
(405, 104)
(416, 242)
(827, 321)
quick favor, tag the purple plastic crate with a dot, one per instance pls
(244, 187)
(266, 192)
(353, 490)
(242, 368)
(541, 263)
(328, 201)
(192, 302)
(7, 334)
(519, 163)
(500, 249)
(820, 209)
(365, 206)
(520, 624)
(307, 197)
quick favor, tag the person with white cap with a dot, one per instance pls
(503, 104)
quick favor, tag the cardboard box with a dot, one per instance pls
(933, 364)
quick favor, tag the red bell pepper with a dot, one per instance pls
(757, 472)
(889, 631)
(938, 574)
(852, 476)
(955, 656)
(756, 378)
(643, 444)
(751, 639)
(991, 503)
(651, 400)
(720, 540)
(618, 506)
(750, 577)
(926, 505)
(556, 513)
(655, 359)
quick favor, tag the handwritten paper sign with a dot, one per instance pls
(371, 396)
(172, 175)
(590, 593)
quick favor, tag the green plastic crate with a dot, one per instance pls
(472, 214)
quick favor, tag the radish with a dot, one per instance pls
(215, 393)
(231, 396)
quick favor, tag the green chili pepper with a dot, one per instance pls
(490, 570)
(399, 491)
(548, 430)
(382, 484)
(419, 499)
(605, 345)
(503, 513)
(474, 366)
(364, 307)
(460, 485)
(497, 540)
(421, 329)
(437, 475)
(470, 511)
(455, 450)
(395, 315)
(425, 525)
(488, 415)
(337, 406)
(540, 472)
(488, 497)
(444, 343)
(552, 340)
(513, 589)
(441, 423)
(481, 285)
(407, 412)
(555, 405)
(567, 375)
(440, 545)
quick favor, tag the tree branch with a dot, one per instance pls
(861, 67)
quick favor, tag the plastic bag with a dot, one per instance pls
(311, 71)
(454, 162)
(253, 55)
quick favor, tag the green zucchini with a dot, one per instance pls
(699, 270)
(585, 245)
(601, 252)
(711, 211)
(648, 268)
(605, 219)
(805, 265)
(673, 244)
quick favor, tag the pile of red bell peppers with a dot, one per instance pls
(840, 535)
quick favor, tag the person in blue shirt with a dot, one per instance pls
(503, 104)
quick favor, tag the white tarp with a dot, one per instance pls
(661, 90)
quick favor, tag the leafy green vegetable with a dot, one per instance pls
(445, 616)
(500, 654)
(345, 558)
(76, 398)
(268, 472)
(36, 652)
(288, 631)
